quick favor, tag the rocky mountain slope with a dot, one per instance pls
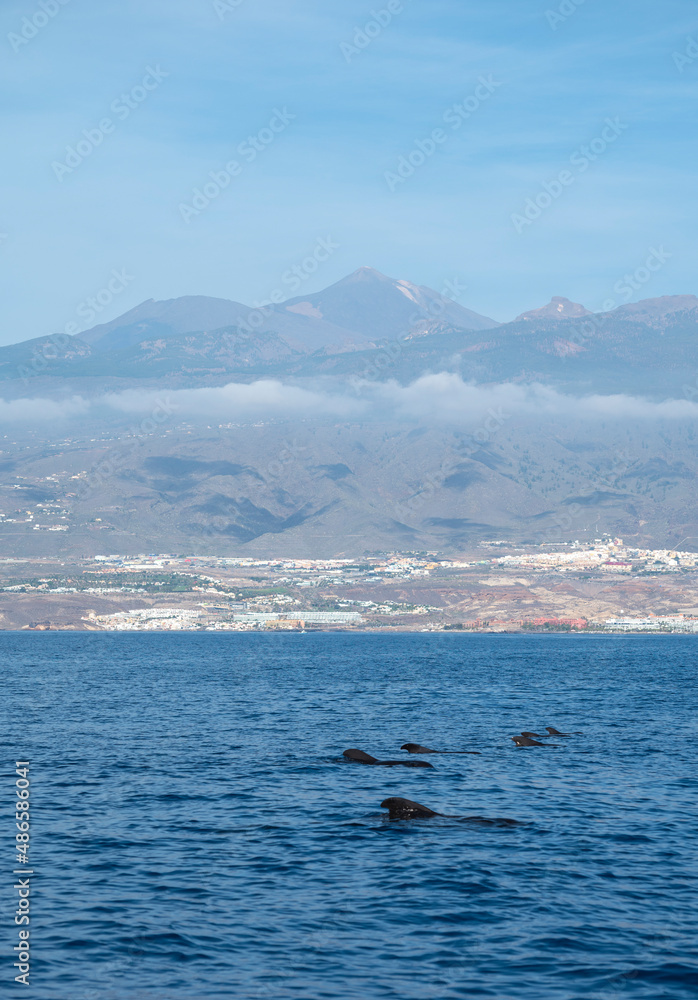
(327, 487)
(369, 326)
(379, 479)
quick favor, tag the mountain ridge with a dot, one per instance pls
(354, 311)
(643, 347)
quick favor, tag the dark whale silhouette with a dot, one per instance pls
(366, 758)
(537, 736)
(407, 809)
(556, 732)
(415, 748)
(525, 741)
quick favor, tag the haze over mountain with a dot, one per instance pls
(367, 325)
(377, 306)
(355, 311)
(153, 320)
(373, 414)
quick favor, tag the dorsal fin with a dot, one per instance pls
(359, 755)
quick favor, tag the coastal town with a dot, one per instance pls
(602, 586)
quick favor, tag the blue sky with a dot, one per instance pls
(360, 103)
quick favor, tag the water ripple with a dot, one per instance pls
(197, 833)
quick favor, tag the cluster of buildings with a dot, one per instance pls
(518, 624)
(296, 572)
(611, 556)
(653, 623)
(649, 623)
(149, 620)
(302, 618)
(207, 619)
(192, 619)
(604, 555)
(44, 515)
(381, 590)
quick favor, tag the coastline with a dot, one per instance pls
(387, 630)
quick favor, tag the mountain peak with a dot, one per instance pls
(558, 308)
(378, 306)
(366, 273)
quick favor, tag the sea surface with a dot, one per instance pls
(197, 834)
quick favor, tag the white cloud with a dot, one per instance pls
(441, 398)
(42, 410)
(446, 397)
(266, 398)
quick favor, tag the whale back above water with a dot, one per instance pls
(399, 808)
(366, 758)
(416, 748)
(525, 741)
(406, 809)
(556, 732)
(363, 758)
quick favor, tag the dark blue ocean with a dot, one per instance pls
(196, 833)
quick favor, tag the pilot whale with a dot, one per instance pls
(399, 808)
(526, 741)
(416, 748)
(366, 758)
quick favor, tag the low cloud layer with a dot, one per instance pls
(447, 398)
(443, 398)
(266, 398)
(32, 411)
